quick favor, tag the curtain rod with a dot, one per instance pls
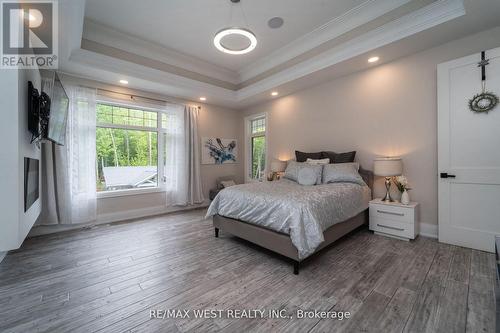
(137, 96)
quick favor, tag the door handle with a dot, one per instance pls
(446, 175)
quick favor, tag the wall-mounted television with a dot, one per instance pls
(48, 113)
(58, 115)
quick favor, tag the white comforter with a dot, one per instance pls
(303, 212)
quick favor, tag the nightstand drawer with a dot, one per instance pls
(385, 212)
(391, 227)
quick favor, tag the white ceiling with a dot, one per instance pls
(165, 46)
(189, 26)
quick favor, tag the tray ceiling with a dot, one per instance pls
(166, 46)
(189, 26)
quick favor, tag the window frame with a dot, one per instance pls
(249, 146)
(160, 131)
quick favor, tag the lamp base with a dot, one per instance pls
(388, 190)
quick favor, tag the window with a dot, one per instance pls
(256, 144)
(128, 147)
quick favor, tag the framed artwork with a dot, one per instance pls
(218, 151)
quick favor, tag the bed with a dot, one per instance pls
(290, 219)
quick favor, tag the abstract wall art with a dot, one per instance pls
(218, 151)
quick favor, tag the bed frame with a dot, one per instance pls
(281, 243)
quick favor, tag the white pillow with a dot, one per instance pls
(227, 183)
(307, 177)
(318, 162)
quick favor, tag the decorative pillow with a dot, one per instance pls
(293, 168)
(227, 183)
(342, 173)
(339, 157)
(302, 157)
(318, 162)
(307, 177)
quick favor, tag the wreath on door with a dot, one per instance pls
(486, 100)
(483, 102)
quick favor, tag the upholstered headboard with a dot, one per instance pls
(367, 176)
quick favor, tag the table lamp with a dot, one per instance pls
(388, 167)
(277, 167)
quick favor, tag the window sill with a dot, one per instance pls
(248, 181)
(124, 193)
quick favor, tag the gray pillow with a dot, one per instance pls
(302, 157)
(307, 177)
(339, 157)
(293, 168)
(342, 173)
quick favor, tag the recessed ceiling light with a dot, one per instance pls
(373, 59)
(203, 99)
(274, 93)
(123, 81)
(235, 31)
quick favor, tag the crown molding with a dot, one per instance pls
(180, 86)
(362, 14)
(425, 18)
(110, 37)
(71, 16)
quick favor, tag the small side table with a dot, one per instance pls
(393, 219)
(213, 193)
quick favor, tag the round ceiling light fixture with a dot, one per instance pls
(219, 44)
(235, 40)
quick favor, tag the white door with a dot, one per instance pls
(469, 149)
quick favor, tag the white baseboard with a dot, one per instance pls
(145, 212)
(429, 230)
(114, 217)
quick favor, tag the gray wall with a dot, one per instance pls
(387, 110)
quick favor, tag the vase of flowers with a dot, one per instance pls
(402, 185)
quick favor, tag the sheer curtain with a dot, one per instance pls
(81, 150)
(69, 170)
(182, 160)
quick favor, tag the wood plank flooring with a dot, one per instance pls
(108, 278)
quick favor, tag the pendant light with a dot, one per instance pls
(226, 32)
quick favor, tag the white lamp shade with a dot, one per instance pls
(388, 166)
(278, 166)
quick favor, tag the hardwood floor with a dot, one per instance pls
(109, 278)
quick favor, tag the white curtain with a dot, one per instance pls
(69, 173)
(81, 149)
(182, 167)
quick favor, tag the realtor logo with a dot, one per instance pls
(29, 34)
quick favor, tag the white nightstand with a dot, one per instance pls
(394, 219)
